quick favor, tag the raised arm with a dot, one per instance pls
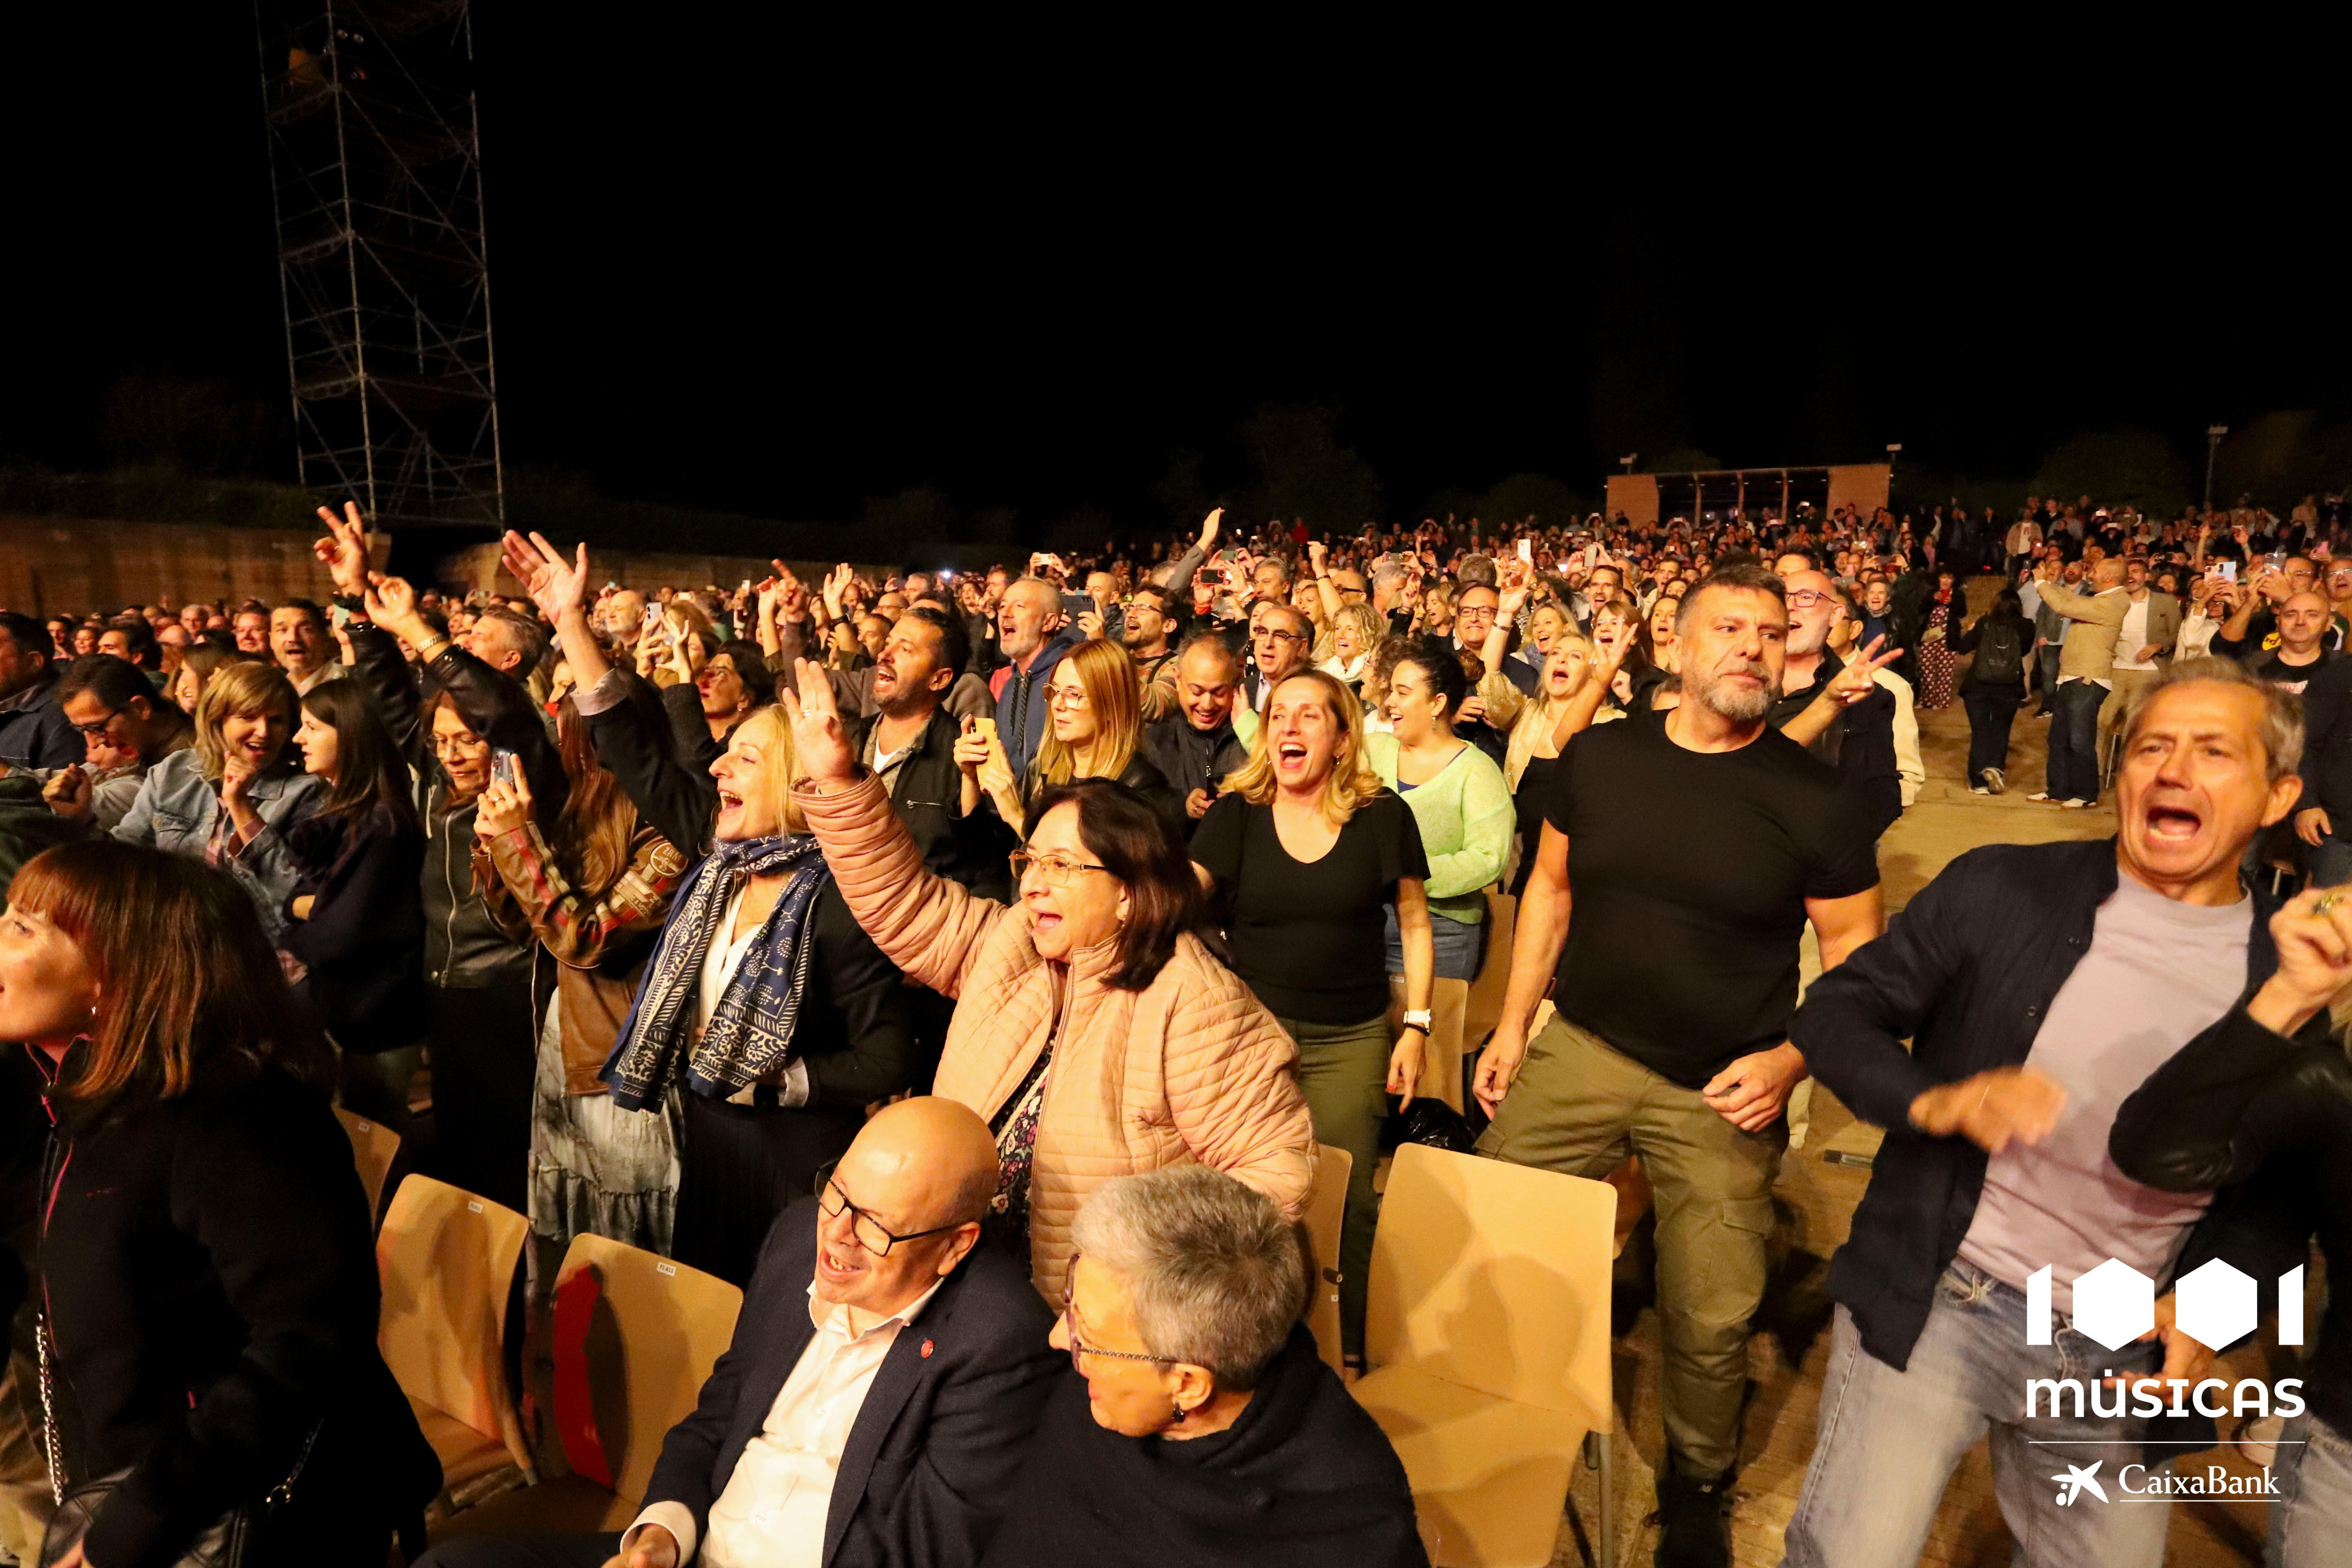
(2263, 1079)
(929, 927)
(574, 926)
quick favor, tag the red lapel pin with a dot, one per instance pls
(927, 1350)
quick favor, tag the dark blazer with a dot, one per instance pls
(946, 1422)
(1967, 972)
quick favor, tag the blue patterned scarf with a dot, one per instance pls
(751, 1031)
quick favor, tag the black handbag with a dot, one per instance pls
(224, 1543)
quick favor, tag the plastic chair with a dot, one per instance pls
(447, 1262)
(635, 1338)
(1326, 1206)
(1488, 1330)
(373, 1149)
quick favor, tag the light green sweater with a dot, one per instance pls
(1466, 822)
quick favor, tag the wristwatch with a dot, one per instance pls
(1417, 1018)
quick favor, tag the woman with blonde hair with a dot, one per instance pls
(1356, 635)
(1311, 853)
(764, 1001)
(229, 799)
(1094, 730)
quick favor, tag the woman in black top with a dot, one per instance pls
(2268, 1088)
(357, 926)
(1314, 853)
(208, 1268)
(1993, 686)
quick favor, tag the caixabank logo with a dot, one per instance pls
(2114, 1304)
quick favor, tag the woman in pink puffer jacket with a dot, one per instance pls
(1093, 1029)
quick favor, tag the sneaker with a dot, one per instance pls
(2075, 805)
(1994, 778)
(2038, 794)
(1978, 789)
(1694, 1517)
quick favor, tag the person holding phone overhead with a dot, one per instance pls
(1312, 853)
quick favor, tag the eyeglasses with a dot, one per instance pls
(1059, 870)
(1065, 697)
(1268, 634)
(98, 726)
(1070, 1327)
(870, 1232)
(1806, 598)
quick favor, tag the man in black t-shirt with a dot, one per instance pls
(1675, 957)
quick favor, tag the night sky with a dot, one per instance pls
(736, 267)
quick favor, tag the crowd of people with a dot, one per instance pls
(968, 966)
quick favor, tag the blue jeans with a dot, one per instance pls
(2074, 742)
(2311, 1522)
(1888, 1441)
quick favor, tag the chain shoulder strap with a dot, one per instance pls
(48, 1410)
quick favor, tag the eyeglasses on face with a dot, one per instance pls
(99, 726)
(1070, 1326)
(1059, 870)
(870, 1232)
(1065, 696)
(1270, 634)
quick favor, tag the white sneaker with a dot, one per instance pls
(1980, 789)
(2074, 804)
(1994, 778)
(2038, 794)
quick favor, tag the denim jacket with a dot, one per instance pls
(177, 806)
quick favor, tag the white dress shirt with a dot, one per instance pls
(773, 1511)
(2132, 636)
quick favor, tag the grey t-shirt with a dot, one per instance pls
(2158, 973)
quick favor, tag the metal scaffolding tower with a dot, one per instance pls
(375, 159)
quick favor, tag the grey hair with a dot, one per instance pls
(1214, 1273)
(2282, 730)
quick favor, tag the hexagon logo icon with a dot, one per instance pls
(2114, 1304)
(2215, 1305)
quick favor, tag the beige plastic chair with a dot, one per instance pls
(1326, 1206)
(653, 1333)
(373, 1149)
(448, 1261)
(1487, 1332)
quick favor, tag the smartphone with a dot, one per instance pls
(2226, 570)
(1527, 551)
(503, 768)
(1076, 604)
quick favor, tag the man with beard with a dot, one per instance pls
(1675, 962)
(909, 745)
(1146, 632)
(1194, 747)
